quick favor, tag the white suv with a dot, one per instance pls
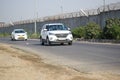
(56, 33)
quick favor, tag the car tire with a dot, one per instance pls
(69, 43)
(14, 39)
(42, 42)
(48, 42)
(11, 39)
(62, 43)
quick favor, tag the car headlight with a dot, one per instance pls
(70, 33)
(51, 34)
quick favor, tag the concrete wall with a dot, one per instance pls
(71, 22)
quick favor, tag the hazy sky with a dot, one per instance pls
(16, 10)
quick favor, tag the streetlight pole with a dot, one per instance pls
(35, 23)
(61, 7)
(35, 26)
(104, 19)
(103, 5)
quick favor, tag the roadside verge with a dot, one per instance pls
(17, 64)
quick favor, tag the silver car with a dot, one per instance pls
(18, 34)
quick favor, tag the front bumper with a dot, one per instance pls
(55, 39)
(20, 37)
(61, 41)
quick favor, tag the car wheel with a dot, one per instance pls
(70, 43)
(48, 42)
(11, 39)
(42, 42)
(62, 43)
(14, 39)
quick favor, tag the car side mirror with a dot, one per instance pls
(69, 29)
(44, 29)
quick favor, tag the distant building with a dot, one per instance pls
(2, 24)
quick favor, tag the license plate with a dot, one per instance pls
(21, 37)
(61, 39)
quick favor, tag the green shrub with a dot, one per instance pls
(90, 31)
(79, 32)
(93, 31)
(4, 35)
(34, 35)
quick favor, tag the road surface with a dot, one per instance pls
(81, 56)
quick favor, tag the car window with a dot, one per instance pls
(44, 27)
(47, 27)
(20, 31)
(56, 27)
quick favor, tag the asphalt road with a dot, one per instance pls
(80, 56)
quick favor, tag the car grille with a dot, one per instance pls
(61, 35)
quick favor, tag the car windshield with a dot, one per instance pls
(56, 27)
(20, 31)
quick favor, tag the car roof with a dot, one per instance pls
(18, 29)
(54, 24)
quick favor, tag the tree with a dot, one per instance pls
(112, 29)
